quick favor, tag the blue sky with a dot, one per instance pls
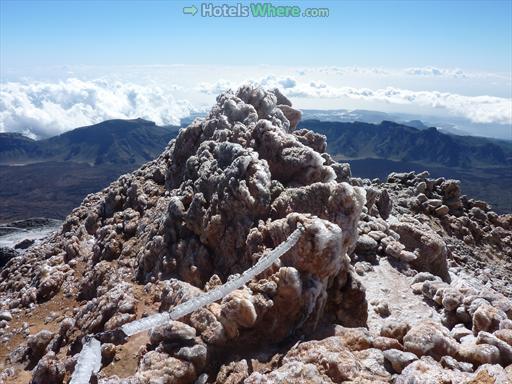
(472, 34)
(65, 64)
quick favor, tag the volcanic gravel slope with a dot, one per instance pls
(403, 281)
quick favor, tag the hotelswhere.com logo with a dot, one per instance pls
(253, 10)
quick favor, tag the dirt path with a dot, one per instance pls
(387, 285)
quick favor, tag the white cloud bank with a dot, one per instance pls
(433, 71)
(478, 109)
(46, 108)
(426, 71)
(42, 109)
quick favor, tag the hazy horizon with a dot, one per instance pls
(452, 65)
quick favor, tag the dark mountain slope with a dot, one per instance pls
(62, 170)
(110, 142)
(51, 189)
(15, 146)
(59, 172)
(483, 165)
(392, 141)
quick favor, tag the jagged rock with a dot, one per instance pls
(365, 244)
(340, 365)
(479, 354)
(442, 210)
(399, 359)
(95, 314)
(489, 373)
(472, 303)
(395, 329)
(384, 343)
(451, 299)
(384, 204)
(504, 334)
(196, 354)
(291, 114)
(433, 290)
(355, 339)
(452, 195)
(421, 188)
(210, 328)
(434, 203)
(424, 276)
(373, 361)
(460, 331)
(451, 363)
(477, 213)
(238, 308)
(108, 352)
(397, 250)
(233, 373)
(421, 198)
(429, 338)
(331, 357)
(48, 370)
(504, 348)
(37, 344)
(362, 267)
(5, 315)
(293, 372)
(382, 308)
(431, 249)
(159, 367)
(377, 235)
(24, 244)
(6, 254)
(427, 370)
(487, 318)
(172, 332)
(505, 324)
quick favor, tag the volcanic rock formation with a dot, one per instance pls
(399, 281)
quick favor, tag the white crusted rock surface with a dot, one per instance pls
(178, 272)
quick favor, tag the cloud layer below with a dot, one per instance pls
(477, 109)
(42, 109)
(165, 94)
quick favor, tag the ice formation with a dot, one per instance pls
(146, 323)
(218, 293)
(89, 362)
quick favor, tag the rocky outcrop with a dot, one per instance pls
(228, 190)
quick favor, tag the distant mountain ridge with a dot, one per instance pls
(483, 165)
(446, 124)
(110, 142)
(393, 141)
(54, 175)
(58, 172)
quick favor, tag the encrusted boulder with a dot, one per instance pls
(431, 249)
(429, 338)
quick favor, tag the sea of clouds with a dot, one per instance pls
(477, 109)
(165, 95)
(43, 109)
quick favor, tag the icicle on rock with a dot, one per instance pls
(200, 301)
(89, 362)
(145, 323)
(222, 291)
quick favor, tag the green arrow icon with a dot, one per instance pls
(190, 10)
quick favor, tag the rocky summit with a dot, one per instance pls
(402, 281)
